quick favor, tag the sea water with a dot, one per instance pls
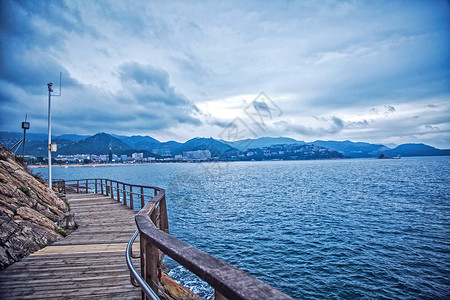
(330, 229)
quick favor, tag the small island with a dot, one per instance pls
(386, 157)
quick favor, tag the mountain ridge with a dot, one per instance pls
(99, 144)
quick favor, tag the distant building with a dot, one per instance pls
(123, 158)
(138, 156)
(197, 155)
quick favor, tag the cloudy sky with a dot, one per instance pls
(372, 71)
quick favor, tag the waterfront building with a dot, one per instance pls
(197, 155)
(138, 156)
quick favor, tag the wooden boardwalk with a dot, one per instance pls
(87, 264)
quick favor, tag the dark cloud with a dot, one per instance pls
(136, 18)
(144, 75)
(146, 102)
(33, 37)
(148, 85)
(329, 126)
(27, 50)
(428, 126)
(357, 124)
(389, 108)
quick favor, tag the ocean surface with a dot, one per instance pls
(324, 229)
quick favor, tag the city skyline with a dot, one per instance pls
(334, 70)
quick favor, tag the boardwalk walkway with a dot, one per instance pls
(87, 264)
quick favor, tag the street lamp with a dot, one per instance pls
(25, 126)
(51, 147)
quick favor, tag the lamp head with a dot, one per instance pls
(50, 87)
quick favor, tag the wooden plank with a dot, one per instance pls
(88, 264)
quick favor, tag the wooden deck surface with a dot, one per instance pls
(87, 264)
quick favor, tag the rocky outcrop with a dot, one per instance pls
(28, 211)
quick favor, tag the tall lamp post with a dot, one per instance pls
(49, 136)
(51, 146)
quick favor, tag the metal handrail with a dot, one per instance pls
(134, 274)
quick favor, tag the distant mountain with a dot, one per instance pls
(72, 137)
(171, 144)
(99, 143)
(261, 142)
(416, 150)
(139, 142)
(16, 136)
(167, 148)
(217, 148)
(352, 149)
(68, 144)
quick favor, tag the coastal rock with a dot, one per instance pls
(28, 211)
(67, 221)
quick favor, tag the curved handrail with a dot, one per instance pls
(134, 274)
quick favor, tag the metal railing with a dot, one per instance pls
(227, 281)
(135, 278)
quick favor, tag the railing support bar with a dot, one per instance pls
(146, 289)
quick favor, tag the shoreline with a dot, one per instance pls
(85, 165)
(176, 162)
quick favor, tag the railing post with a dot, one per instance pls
(131, 197)
(101, 185)
(149, 264)
(124, 194)
(112, 190)
(142, 197)
(163, 215)
(118, 194)
(87, 185)
(96, 186)
(78, 186)
(106, 187)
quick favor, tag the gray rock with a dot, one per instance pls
(28, 211)
(67, 221)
